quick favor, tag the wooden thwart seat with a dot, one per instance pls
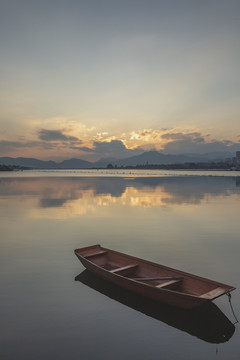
(159, 278)
(123, 268)
(213, 293)
(169, 283)
(95, 253)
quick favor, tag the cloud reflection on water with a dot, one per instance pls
(62, 197)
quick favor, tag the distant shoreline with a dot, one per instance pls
(184, 167)
(117, 173)
(5, 168)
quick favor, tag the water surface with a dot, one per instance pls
(52, 309)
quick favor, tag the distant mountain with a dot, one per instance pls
(41, 164)
(213, 156)
(28, 162)
(157, 158)
(102, 163)
(74, 164)
(147, 157)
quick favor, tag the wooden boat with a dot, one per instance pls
(146, 278)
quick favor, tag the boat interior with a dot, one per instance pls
(155, 275)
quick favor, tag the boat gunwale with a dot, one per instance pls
(147, 285)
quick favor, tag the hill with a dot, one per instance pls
(147, 157)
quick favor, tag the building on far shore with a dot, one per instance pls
(238, 157)
(236, 161)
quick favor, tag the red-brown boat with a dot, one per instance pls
(155, 281)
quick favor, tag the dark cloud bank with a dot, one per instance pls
(178, 143)
(55, 135)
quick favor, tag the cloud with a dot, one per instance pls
(83, 148)
(58, 144)
(55, 135)
(113, 148)
(147, 135)
(195, 136)
(179, 141)
(195, 142)
(48, 140)
(6, 145)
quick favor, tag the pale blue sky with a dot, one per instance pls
(152, 74)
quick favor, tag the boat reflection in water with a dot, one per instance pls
(206, 322)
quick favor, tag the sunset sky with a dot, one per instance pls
(99, 78)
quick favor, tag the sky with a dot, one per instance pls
(108, 78)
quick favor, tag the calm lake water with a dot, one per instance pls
(52, 309)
